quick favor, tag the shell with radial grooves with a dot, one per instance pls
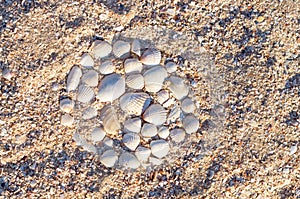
(136, 47)
(188, 105)
(133, 125)
(67, 120)
(148, 130)
(135, 81)
(142, 153)
(177, 135)
(163, 132)
(129, 161)
(133, 65)
(174, 114)
(73, 78)
(162, 96)
(87, 61)
(111, 87)
(107, 67)
(109, 158)
(85, 94)
(89, 113)
(66, 105)
(134, 103)
(159, 148)
(121, 49)
(151, 57)
(177, 86)
(155, 114)
(171, 67)
(90, 78)
(101, 49)
(131, 140)
(98, 134)
(110, 120)
(190, 123)
(154, 78)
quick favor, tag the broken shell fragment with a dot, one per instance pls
(73, 78)
(136, 47)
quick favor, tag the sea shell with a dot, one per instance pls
(174, 114)
(67, 120)
(111, 87)
(162, 96)
(188, 105)
(89, 113)
(102, 49)
(7, 74)
(151, 57)
(155, 161)
(131, 140)
(163, 132)
(98, 134)
(66, 105)
(155, 114)
(110, 120)
(85, 94)
(154, 78)
(142, 153)
(148, 130)
(107, 67)
(177, 135)
(128, 160)
(108, 142)
(121, 49)
(159, 148)
(79, 139)
(133, 65)
(133, 125)
(169, 102)
(136, 47)
(135, 81)
(109, 158)
(87, 61)
(190, 123)
(134, 103)
(73, 78)
(171, 67)
(90, 78)
(179, 89)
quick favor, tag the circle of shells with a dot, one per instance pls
(131, 108)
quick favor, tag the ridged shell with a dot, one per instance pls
(177, 135)
(159, 148)
(67, 120)
(148, 130)
(174, 114)
(171, 67)
(129, 161)
(90, 78)
(85, 94)
(111, 87)
(191, 124)
(121, 49)
(163, 132)
(151, 57)
(155, 114)
(73, 78)
(142, 153)
(133, 125)
(136, 47)
(110, 120)
(102, 49)
(162, 96)
(131, 140)
(89, 113)
(107, 67)
(134, 103)
(154, 78)
(178, 87)
(98, 134)
(133, 65)
(109, 158)
(66, 105)
(87, 61)
(135, 81)
(188, 105)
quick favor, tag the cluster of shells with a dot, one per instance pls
(131, 109)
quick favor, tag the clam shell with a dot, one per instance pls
(97, 134)
(121, 49)
(171, 67)
(188, 105)
(154, 78)
(110, 120)
(111, 87)
(66, 105)
(148, 130)
(155, 161)
(89, 113)
(87, 61)
(142, 153)
(131, 140)
(136, 47)
(179, 89)
(177, 135)
(67, 120)
(102, 49)
(135, 81)
(108, 142)
(163, 132)
(155, 114)
(174, 114)
(151, 57)
(85, 94)
(73, 78)
(109, 158)
(128, 160)
(134, 103)
(162, 96)
(133, 65)
(133, 125)
(107, 67)
(169, 102)
(159, 148)
(90, 78)
(191, 124)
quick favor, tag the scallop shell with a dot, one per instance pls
(66, 105)
(98, 134)
(107, 67)
(159, 148)
(87, 61)
(174, 114)
(171, 67)
(148, 130)
(151, 57)
(162, 96)
(111, 87)
(85, 94)
(131, 140)
(191, 124)
(136, 47)
(188, 105)
(154, 78)
(73, 78)
(142, 153)
(90, 78)
(179, 89)
(155, 114)
(134, 103)
(133, 65)
(67, 120)
(133, 125)
(177, 135)
(110, 120)
(109, 158)
(102, 49)
(163, 132)
(135, 81)
(121, 49)
(128, 160)
(89, 113)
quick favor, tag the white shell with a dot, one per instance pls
(133, 65)
(148, 130)
(90, 78)
(135, 81)
(67, 120)
(66, 105)
(82, 142)
(7, 74)
(169, 103)
(102, 49)
(98, 134)
(136, 47)
(73, 78)
(154, 78)
(108, 142)
(133, 125)
(171, 67)
(89, 113)
(121, 49)
(109, 158)
(163, 132)
(134, 103)
(155, 161)
(110, 120)
(111, 87)
(107, 67)
(155, 114)
(129, 161)
(159, 148)
(162, 96)
(191, 124)
(131, 140)
(178, 87)
(177, 135)
(87, 61)
(85, 94)
(142, 153)
(188, 105)
(151, 57)
(174, 114)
